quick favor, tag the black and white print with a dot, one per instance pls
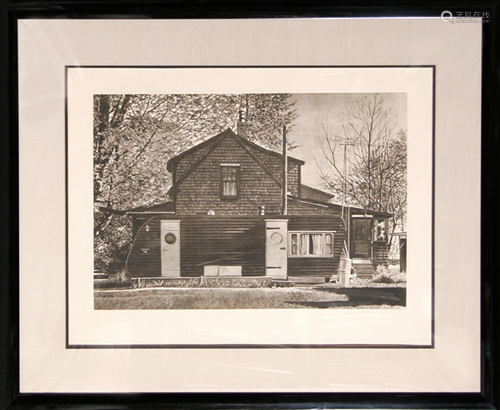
(250, 201)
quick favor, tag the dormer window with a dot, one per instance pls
(230, 181)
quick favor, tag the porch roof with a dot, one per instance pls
(323, 198)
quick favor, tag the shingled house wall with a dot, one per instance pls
(275, 165)
(200, 192)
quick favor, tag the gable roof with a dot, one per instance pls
(220, 137)
(215, 140)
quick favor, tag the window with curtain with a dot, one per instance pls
(311, 244)
(230, 181)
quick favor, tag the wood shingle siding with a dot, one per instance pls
(380, 253)
(200, 191)
(275, 165)
(197, 189)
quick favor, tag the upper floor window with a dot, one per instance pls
(230, 180)
(311, 244)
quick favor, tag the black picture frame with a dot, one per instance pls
(11, 12)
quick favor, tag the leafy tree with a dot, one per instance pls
(135, 136)
(374, 175)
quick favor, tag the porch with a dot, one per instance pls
(368, 244)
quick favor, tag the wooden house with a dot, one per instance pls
(226, 218)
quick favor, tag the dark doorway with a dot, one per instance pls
(361, 237)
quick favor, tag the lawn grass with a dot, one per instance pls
(210, 298)
(222, 298)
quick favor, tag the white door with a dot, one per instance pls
(170, 249)
(276, 248)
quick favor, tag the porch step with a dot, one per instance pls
(361, 261)
(364, 270)
(307, 280)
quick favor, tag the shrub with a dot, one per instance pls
(112, 242)
(203, 282)
(104, 284)
(116, 280)
(383, 274)
(120, 277)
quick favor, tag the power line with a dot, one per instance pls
(337, 138)
(318, 136)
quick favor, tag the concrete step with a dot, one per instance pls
(307, 279)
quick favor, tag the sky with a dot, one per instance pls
(320, 112)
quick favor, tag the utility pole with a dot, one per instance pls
(284, 184)
(344, 181)
(344, 176)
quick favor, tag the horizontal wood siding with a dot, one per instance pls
(312, 266)
(222, 241)
(230, 241)
(145, 256)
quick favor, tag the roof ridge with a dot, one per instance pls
(219, 136)
(196, 147)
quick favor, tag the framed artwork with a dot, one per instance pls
(222, 206)
(314, 229)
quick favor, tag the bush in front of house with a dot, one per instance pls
(388, 275)
(112, 242)
(203, 282)
(114, 281)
